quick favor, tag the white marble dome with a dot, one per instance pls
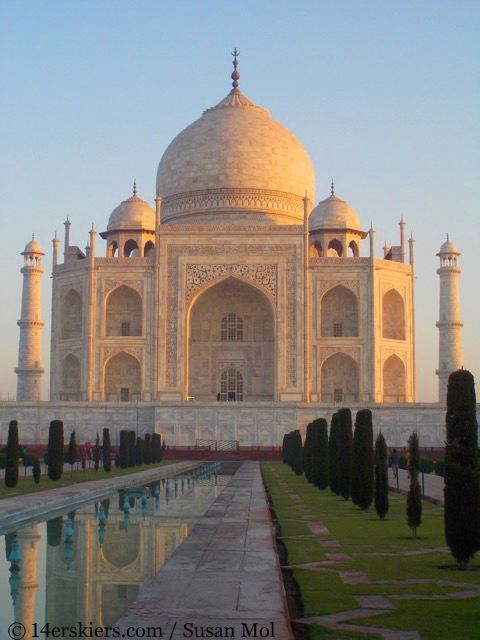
(448, 247)
(132, 214)
(334, 213)
(33, 247)
(235, 165)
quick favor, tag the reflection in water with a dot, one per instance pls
(98, 557)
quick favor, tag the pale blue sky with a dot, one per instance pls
(384, 96)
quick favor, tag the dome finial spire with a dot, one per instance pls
(134, 186)
(235, 75)
(332, 189)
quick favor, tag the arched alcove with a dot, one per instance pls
(231, 325)
(339, 312)
(353, 249)
(130, 249)
(123, 312)
(123, 378)
(112, 251)
(71, 316)
(70, 379)
(149, 249)
(393, 316)
(394, 380)
(335, 249)
(339, 379)
(316, 250)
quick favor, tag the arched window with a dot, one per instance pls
(123, 378)
(231, 385)
(71, 316)
(231, 328)
(353, 249)
(130, 250)
(316, 250)
(339, 313)
(124, 312)
(335, 249)
(393, 316)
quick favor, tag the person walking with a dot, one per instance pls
(394, 458)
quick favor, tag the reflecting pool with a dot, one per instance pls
(87, 565)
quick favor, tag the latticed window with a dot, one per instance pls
(338, 395)
(232, 328)
(125, 329)
(231, 385)
(337, 329)
(124, 394)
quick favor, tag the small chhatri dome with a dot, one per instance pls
(33, 247)
(334, 213)
(132, 214)
(448, 248)
(234, 165)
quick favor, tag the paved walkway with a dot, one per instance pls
(432, 485)
(224, 575)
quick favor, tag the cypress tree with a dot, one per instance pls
(362, 460)
(321, 462)
(72, 451)
(298, 453)
(11, 462)
(55, 450)
(131, 448)
(147, 453)
(308, 453)
(139, 452)
(123, 449)
(96, 453)
(333, 451)
(414, 498)
(345, 452)
(36, 470)
(107, 450)
(381, 477)
(462, 484)
(54, 531)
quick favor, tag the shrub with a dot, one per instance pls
(381, 477)
(131, 448)
(11, 463)
(334, 455)
(147, 453)
(96, 453)
(139, 452)
(55, 450)
(362, 460)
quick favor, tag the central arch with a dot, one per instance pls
(231, 327)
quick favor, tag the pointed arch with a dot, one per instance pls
(231, 323)
(70, 378)
(130, 249)
(123, 378)
(112, 251)
(393, 316)
(316, 250)
(149, 249)
(339, 379)
(353, 249)
(394, 380)
(339, 313)
(71, 315)
(124, 312)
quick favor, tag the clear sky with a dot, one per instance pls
(384, 96)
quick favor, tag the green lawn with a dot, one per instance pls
(27, 485)
(383, 550)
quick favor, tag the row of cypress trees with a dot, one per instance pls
(347, 460)
(135, 451)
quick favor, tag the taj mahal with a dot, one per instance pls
(235, 308)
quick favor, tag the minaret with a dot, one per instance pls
(450, 325)
(24, 608)
(30, 370)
